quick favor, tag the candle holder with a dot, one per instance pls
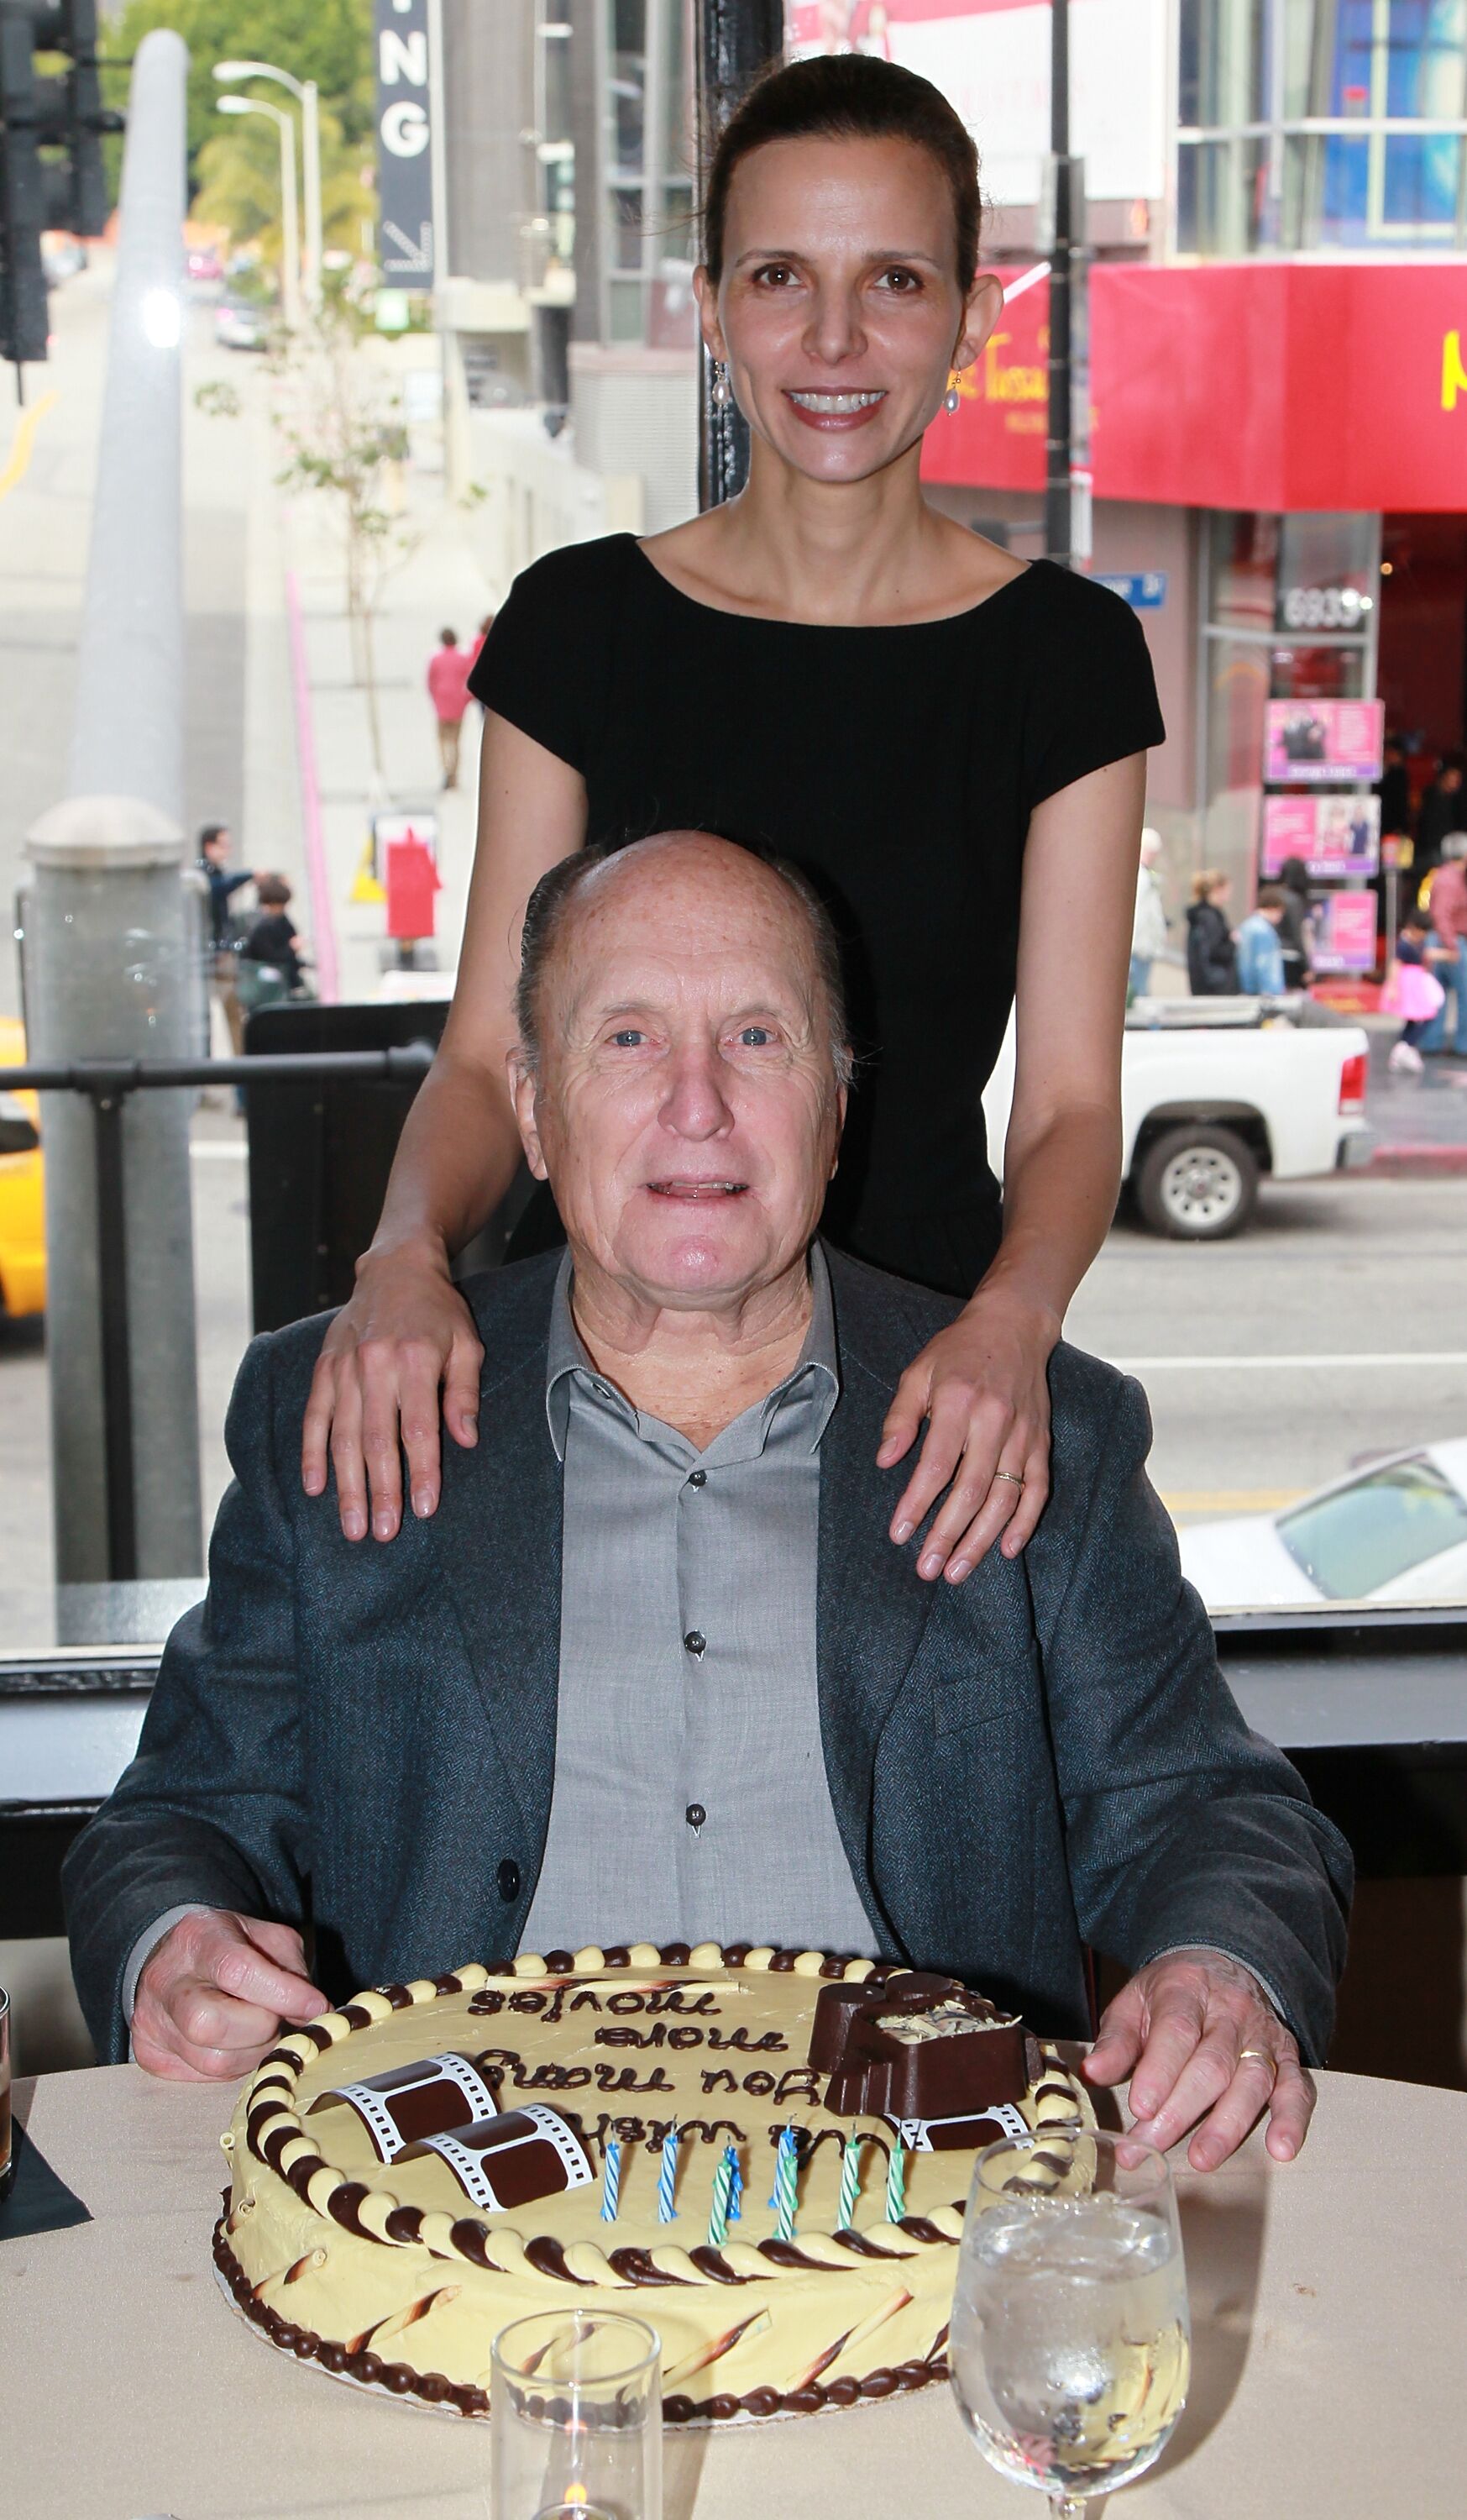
(575, 2403)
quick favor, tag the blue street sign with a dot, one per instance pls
(1144, 594)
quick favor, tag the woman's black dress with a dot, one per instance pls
(899, 767)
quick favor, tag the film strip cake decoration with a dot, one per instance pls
(766, 2152)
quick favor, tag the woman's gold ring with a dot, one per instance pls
(1012, 1476)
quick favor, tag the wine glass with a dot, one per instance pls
(575, 2410)
(1071, 2344)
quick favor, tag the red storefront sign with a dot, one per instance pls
(999, 425)
(1278, 387)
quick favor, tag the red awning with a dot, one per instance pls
(1272, 385)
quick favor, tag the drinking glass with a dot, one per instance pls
(1071, 2344)
(7, 2160)
(575, 2407)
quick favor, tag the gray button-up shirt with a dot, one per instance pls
(690, 1802)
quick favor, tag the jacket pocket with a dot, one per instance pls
(978, 1697)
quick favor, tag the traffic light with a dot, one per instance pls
(51, 170)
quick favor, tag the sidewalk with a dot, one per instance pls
(1420, 1121)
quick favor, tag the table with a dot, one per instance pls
(1329, 2305)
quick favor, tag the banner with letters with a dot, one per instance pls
(404, 144)
(1334, 835)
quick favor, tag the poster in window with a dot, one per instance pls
(1334, 835)
(1344, 932)
(1319, 742)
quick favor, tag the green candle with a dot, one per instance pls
(850, 2181)
(896, 2181)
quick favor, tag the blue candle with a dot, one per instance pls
(611, 2181)
(786, 2174)
(667, 2211)
(735, 2184)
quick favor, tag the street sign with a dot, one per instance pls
(404, 143)
(1146, 593)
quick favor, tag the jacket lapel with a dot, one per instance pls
(871, 1606)
(498, 1533)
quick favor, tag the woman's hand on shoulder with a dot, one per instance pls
(982, 1388)
(404, 1345)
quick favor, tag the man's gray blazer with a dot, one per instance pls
(361, 1740)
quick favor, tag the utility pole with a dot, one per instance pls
(737, 41)
(289, 230)
(1064, 219)
(113, 937)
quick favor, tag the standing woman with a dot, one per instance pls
(950, 741)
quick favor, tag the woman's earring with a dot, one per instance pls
(722, 392)
(954, 396)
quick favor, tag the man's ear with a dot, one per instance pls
(522, 1080)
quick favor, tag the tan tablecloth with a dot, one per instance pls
(1329, 2305)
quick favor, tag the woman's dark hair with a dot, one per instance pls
(1294, 876)
(547, 904)
(847, 96)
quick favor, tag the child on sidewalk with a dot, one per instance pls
(1412, 990)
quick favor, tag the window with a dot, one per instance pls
(1366, 1537)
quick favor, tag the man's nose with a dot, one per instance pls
(694, 1106)
(834, 331)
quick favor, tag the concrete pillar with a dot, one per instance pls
(110, 952)
(111, 925)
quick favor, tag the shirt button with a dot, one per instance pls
(694, 1816)
(697, 1478)
(508, 1881)
(696, 1642)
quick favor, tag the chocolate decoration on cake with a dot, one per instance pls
(414, 2101)
(925, 2055)
(509, 2160)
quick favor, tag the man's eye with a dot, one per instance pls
(627, 1040)
(755, 1036)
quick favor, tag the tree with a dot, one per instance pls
(237, 173)
(327, 40)
(339, 416)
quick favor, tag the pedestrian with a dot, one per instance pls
(225, 935)
(1394, 788)
(1296, 928)
(1211, 957)
(1413, 990)
(1260, 953)
(1148, 932)
(1444, 811)
(272, 943)
(815, 666)
(448, 689)
(1448, 917)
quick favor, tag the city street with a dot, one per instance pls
(1330, 1330)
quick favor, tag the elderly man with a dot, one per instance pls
(655, 1667)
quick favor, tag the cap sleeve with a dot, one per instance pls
(1092, 693)
(546, 662)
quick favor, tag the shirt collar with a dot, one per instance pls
(816, 1369)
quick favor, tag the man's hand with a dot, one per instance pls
(1200, 2041)
(212, 1995)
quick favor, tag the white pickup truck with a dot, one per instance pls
(1215, 1094)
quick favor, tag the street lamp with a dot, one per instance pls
(289, 233)
(305, 94)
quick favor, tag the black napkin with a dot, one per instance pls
(38, 2201)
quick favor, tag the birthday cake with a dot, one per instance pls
(765, 2154)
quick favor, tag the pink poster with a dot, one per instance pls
(1346, 938)
(1334, 835)
(1319, 742)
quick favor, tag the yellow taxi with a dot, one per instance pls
(23, 1221)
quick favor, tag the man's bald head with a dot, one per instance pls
(700, 865)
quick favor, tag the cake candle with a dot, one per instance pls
(667, 2211)
(787, 2173)
(850, 2181)
(718, 2216)
(735, 2184)
(611, 2181)
(896, 2181)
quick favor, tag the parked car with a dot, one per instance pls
(1394, 1531)
(1215, 1094)
(240, 325)
(23, 1224)
(203, 262)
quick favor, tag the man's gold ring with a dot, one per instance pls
(1259, 2056)
(1012, 1476)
